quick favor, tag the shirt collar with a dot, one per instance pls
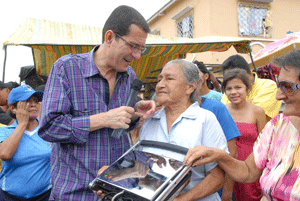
(92, 69)
(190, 113)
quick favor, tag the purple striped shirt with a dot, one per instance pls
(74, 91)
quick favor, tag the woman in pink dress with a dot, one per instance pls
(250, 120)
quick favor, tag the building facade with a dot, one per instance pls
(262, 21)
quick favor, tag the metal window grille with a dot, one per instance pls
(185, 27)
(254, 20)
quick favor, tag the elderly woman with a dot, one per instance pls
(275, 158)
(182, 122)
(25, 156)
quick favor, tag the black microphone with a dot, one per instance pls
(135, 89)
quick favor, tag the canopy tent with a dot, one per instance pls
(276, 49)
(50, 40)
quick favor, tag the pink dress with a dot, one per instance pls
(244, 143)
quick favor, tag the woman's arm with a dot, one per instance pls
(9, 146)
(240, 171)
(213, 182)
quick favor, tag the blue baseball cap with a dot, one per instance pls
(22, 93)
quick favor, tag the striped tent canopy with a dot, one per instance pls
(50, 40)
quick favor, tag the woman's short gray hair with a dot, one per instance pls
(190, 72)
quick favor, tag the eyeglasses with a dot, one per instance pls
(134, 47)
(288, 87)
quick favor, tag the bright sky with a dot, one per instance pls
(87, 12)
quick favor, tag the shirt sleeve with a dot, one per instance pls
(261, 148)
(227, 123)
(213, 136)
(57, 123)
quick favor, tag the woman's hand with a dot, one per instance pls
(22, 112)
(145, 108)
(201, 155)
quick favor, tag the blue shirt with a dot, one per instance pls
(193, 127)
(225, 119)
(213, 95)
(75, 90)
(27, 173)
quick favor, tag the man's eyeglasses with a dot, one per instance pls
(134, 47)
(288, 87)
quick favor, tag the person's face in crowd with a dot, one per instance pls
(292, 101)
(124, 49)
(236, 91)
(33, 107)
(171, 86)
(203, 78)
(4, 96)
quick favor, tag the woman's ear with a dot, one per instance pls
(191, 87)
(12, 108)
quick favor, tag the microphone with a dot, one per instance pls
(135, 89)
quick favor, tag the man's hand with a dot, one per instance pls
(99, 193)
(119, 117)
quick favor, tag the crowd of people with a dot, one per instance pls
(55, 139)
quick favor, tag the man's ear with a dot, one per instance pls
(206, 76)
(109, 37)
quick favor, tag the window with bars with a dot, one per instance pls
(254, 20)
(185, 26)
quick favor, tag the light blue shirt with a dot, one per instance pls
(213, 95)
(27, 173)
(196, 126)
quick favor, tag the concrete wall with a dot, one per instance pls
(219, 18)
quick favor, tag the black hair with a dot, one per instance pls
(11, 85)
(291, 59)
(236, 61)
(238, 74)
(120, 20)
(204, 70)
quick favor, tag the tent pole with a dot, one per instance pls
(4, 62)
(252, 61)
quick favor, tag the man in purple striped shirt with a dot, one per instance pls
(84, 101)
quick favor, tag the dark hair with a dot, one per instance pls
(120, 20)
(236, 61)
(10, 113)
(204, 70)
(11, 85)
(238, 74)
(291, 59)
